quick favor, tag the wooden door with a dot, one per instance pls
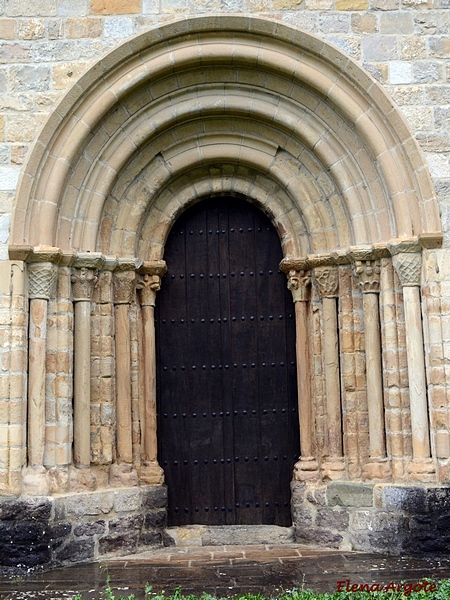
(228, 433)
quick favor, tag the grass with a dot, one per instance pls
(425, 589)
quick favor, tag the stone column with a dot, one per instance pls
(299, 283)
(151, 472)
(366, 269)
(327, 280)
(407, 261)
(42, 275)
(124, 283)
(84, 277)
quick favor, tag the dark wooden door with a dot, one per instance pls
(228, 431)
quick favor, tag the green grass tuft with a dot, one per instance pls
(426, 589)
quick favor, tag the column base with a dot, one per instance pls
(152, 473)
(58, 478)
(306, 469)
(377, 468)
(35, 481)
(81, 479)
(123, 474)
(422, 470)
(334, 468)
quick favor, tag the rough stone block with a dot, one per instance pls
(349, 494)
(26, 509)
(114, 7)
(154, 497)
(155, 519)
(332, 519)
(126, 525)
(90, 529)
(94, 503)
(76, 551)
(122, 544)
(23, 545)
(318, 537)
(127, 500)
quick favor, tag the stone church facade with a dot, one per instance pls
(331, 118)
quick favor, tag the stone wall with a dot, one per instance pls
(47, 46)
(385, 518)
(38, 531)
(131, 198)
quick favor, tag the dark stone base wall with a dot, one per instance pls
(38, 532)
(385, 518)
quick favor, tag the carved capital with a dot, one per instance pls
(327, 279)
(124, 283)
(83, 282)
(408, 266)
(41, 279)
(299, 283)
(367, 274)
(148, 286)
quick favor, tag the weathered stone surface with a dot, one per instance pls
(126, 525)
(76, 551)
(349, 494)
(26, 509)
(121, 544)
(95, 503)
(154, 497)
(318, 537)
(332, 519)
(128, 500)
(409, 499)
(155, 519)
(90, 529)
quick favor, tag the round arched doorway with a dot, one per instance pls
(226, 369)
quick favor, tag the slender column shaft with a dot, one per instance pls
(125, 280)
(123, 382)
(150, 442)
(150, 282)
(299, 283)
(416, 373)
(367, 271)
(407, 261)
(42, 277)
(36, 381)
(82, 384)
(332, 380)
(303, 379)
(373, 375)
(84, 277)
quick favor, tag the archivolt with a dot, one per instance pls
(217, 106)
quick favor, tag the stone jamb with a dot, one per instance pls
(299, 283)
(42, 273)
(407, 262)
(366, 270)
(84, 277)
(326, 277)
(150, 283)
(124, 292)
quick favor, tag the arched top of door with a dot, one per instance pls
(223, 105)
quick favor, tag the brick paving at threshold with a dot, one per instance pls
(223, 571)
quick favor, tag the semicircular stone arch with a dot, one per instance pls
(249, 106)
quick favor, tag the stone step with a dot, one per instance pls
(229, 535)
